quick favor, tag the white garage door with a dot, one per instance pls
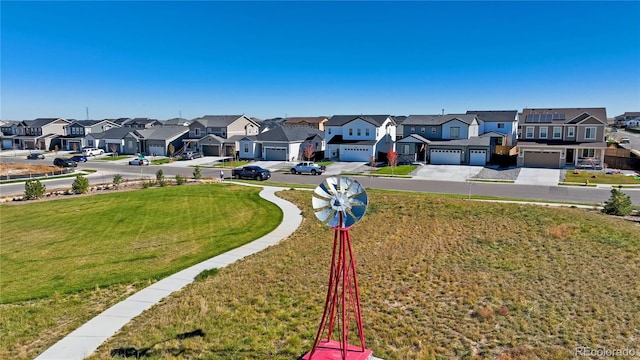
(445, 157)
(478, 157)
(355, 153)
(157, 150)
(272, 154)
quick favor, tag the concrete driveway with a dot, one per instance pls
(538, 176)
(446, 172)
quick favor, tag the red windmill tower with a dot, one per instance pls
(340, 202)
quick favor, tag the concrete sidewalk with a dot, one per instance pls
(87, 338)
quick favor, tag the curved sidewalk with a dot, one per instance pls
(87, 338)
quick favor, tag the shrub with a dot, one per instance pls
(148, 184)
(180, 179)
(619, 204)
(117, 180)
(196, 173)
(33, 189)
(163, 183)
(159, 176)
(80, 185)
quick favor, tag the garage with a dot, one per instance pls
(157, 150)
(478, 157)
(272, 154)
(445, 157)
(211, 150)
(542, 159)
(355, 153)
(7, 143)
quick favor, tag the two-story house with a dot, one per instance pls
(501, 121)
(41, 133)
(219, 135)
(141, 123)
(448, 139)
(559, 137)
(359, 137)
(9, 130)
(77, 130)
(628, 119)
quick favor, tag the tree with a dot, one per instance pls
(619, 204)
(117, 180)
(308, 151)
(80, 185)
(33, 189)
(196, 173)
(172, 149)
(160, 177)
(392, 158)
(113, 148)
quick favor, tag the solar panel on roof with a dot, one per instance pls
(558, 117)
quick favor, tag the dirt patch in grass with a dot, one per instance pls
(440, 279)
(25, 169)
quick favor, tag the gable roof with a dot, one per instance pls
(302, 119)
(377, 120)
(219, 120)
(163, 132)
(412, 138)
(438, 119)
(495, 115)
(116, 133)
(40, 122)
(290, 134)
(561, 115)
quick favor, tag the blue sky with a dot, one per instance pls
(265, 59)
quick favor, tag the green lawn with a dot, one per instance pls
(395, 170)
(599, 177)
(440, 278)
(69, 245)
(114, 158)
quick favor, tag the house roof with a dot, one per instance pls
(399, 119)
(412, 137)
(337, 140)
(377, 120)
(560, 143)
(290, 134)
(218, 120)
(39, 122)
(438, 119)
(115, 133)
(177, 121)
(495, 115)
(163, 132)
(310, 120)
(561, 115)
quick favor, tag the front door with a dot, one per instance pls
(570, 157)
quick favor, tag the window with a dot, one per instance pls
(455, 132)
(557, 132)
(405, 148)
(413, 130)
(590, 133)
(529, 132)
(196, 131)
(366, 132)
(543, 132)
(500, 125)
(350, 132)
(588, 152)
(434, 130)
(316, 145)
(423, 130)
(246, 148)
(329, 130)
(571, 132)
(359, 132)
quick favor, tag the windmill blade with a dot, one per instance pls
(339, 198)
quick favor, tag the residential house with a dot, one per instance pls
(285, 143)
(501, 121)
(316, 122)
(218, 135)
(450, 139)
(77, 130)
(141, 123)
(628, 119)
(560, 137)
(177, 122)
(399, 128)
(162, 140)
(9, 130)
(41, 133)
(359, 137)
(121, 140)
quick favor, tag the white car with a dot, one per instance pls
(92, 151)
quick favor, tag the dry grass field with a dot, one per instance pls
(440, 278)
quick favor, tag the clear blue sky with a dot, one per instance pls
(267, 59)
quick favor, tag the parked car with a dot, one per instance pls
(191, 155)
(308, 167)
(64, 162)
(79, 158)
(139, 161)
(92, 151)
(35, 156)
(625, 140)
(251, 172)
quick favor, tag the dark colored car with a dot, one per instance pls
(35, 156)
(251, 172)
(62, 162)
(79, 158)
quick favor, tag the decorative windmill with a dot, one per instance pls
(340, 202)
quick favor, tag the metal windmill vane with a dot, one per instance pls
(340, 202)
